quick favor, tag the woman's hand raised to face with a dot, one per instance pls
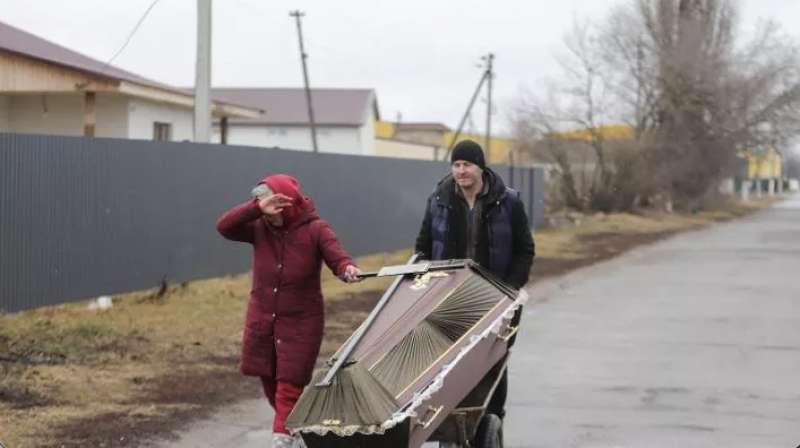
(273, 204)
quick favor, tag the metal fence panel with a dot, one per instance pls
(83, 217)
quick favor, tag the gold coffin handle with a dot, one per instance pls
(434, 412)
(510, 332)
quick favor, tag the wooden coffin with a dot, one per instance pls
(435, 339)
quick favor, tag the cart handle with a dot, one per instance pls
(436, 411)
(510, 332)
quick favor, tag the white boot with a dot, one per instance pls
(282, 441)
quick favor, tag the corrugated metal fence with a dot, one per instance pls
(84, 217)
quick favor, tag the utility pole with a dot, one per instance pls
(489, 74)
(396, 126)
(486, 74)
(202, 83)
(297, 14)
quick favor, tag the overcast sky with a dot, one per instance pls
(420, 56)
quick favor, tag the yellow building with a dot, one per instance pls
(607, 132)
(384, 129)
(759, 170)
(763, 164)
(438, 137)
(497, 153)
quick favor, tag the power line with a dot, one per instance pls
(130, 35)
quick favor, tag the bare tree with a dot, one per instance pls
(693, 94)
(583, 99)
(580, 100)
(536, 123)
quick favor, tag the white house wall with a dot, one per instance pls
(341, 140)
(367, 136)
(367, 130)
(403, 150)
(243, 135)
(142, 114)
(111, 115)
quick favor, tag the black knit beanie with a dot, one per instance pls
(469, 151)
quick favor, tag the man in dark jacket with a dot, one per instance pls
(472, 214)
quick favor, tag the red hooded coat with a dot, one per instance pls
(285, 314)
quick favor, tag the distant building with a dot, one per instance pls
(345, 119)
(49, 89)
(437, 138)
(761, 170)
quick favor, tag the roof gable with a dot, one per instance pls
(335, 107)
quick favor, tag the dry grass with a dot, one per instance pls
(568, 242)
(67, 364)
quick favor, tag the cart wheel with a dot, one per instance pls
(490, 432)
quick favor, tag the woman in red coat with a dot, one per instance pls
(284, 322)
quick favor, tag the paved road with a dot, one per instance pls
(691, 342)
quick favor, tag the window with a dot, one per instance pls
(162, 132)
